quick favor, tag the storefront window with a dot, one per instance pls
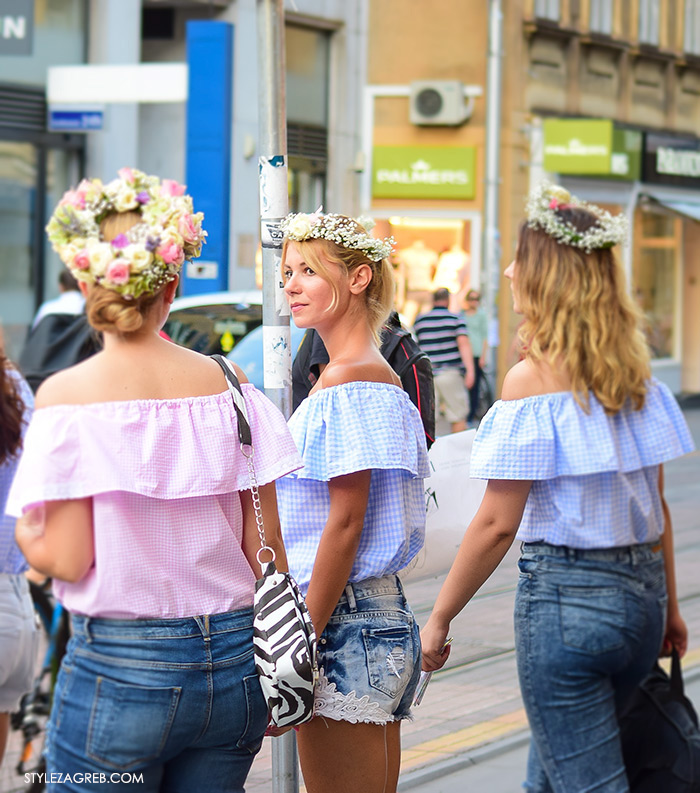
(429, 253)
(657, 250)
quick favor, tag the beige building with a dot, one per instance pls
(602, 96)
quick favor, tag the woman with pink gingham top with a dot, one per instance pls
(134, 496)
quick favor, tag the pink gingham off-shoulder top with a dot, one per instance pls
(164, 477)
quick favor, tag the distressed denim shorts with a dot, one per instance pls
(369, 655)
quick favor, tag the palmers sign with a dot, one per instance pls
(423, 172)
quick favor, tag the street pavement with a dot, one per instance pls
(470, 732)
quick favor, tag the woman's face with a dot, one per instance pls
(310, 296)
(511, 272)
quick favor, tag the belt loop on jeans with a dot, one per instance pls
(350, 595)
(86, 628)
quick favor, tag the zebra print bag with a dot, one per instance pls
(284, 640)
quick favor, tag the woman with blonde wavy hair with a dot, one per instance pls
(354, 515)
(134, 495)
(573, 454)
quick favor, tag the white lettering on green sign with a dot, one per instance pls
(677, 162)
(576, 148)
(421, 172)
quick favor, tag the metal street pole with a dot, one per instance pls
(491, 235)
(274, 204)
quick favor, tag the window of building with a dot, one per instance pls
(547, 9)
(600, 19)
(654, 276)
(308, 54)
(691, 34)
(649, 21)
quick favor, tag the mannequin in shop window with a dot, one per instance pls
(417, 265)
(452, 273)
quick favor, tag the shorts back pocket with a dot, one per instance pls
(389, 654)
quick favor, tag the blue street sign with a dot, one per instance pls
(76, 120)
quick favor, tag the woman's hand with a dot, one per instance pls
(433, 638)
(676, 635)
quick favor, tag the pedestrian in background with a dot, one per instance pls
(18, 632)
(134, 496)
(444, 337)
(354, 516)
(69, 301)
(573, 453)
(478, 327)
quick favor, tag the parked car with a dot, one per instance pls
(225, 322)
(215, 322)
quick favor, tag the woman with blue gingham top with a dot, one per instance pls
(354, 515)
(573, 454)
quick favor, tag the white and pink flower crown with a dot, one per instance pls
(149, 254)
(339, 229)
(542, 213)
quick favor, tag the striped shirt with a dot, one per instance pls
(437, 333)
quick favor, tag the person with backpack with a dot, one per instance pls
(354, 515)
(399, 349)
(573, 453)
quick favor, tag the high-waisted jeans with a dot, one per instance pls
(157, 705)
(588, 627)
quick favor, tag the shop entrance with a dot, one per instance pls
(432, 252)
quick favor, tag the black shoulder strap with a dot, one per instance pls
(234, 387)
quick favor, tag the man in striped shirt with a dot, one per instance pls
(444, 338)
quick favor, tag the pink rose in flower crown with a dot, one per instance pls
(73, 198)
(190, 228)
(81, 260)
(118, 272)
(169, 187)
(171, 253)
(127, 175)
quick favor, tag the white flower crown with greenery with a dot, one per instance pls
(543, 212)
(145, 257)
(339, 229)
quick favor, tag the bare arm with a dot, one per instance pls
(271, 522)
(676, 629)
(58, 539)
(338, 546)
(489, 536)
(467, 355)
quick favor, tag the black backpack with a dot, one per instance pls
(660, 736)
(57, 342)
(413, 366)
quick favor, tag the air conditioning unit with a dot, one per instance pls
(438, 102)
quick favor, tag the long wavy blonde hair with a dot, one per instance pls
(579, 315)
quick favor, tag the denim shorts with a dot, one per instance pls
(369, 655)
(19, 640)
(157, 704)
(588, 627)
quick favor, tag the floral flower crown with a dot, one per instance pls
(542, 212)
(144, 258)
(339, 229)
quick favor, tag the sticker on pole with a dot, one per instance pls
(277, 356)
(273, 187)
(271, 235)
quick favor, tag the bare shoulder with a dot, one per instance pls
(67, 387)
(528, 378)
(240, 374)
(375, 371)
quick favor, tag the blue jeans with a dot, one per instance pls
(588, 627)
(157, 705)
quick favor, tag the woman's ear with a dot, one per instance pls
(360, 278)
(170, 290)
(83, 288)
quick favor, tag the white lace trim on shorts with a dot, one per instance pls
(332, 704)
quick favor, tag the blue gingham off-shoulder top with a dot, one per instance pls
(353, 427)
(595, 476)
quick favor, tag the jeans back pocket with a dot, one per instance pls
(389, 654)
(130, 724)
(592, 618)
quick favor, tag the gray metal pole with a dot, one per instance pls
(274, 204)
(491, 235)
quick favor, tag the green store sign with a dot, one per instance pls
(423, 172)
(592, 147)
